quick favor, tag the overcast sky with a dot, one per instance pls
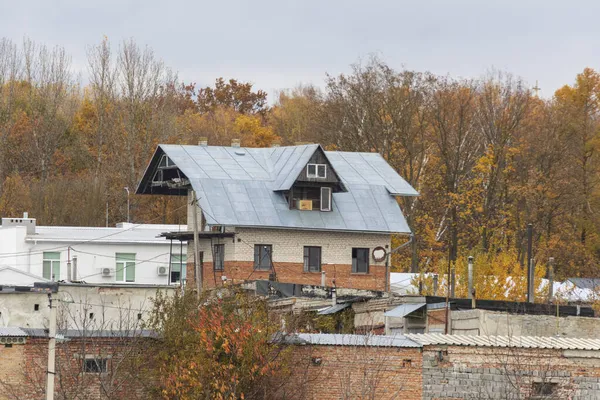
(278, 44)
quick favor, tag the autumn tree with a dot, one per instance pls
(232, 94)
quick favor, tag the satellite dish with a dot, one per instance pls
(379, 254)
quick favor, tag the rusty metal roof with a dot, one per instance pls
(533, 342)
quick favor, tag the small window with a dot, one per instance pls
(36, 307)
(325, 199)
(312, 259)
(158, 176)
(219, 257)
(166, 162)
(178, 267)
(91, 315)
(95, 365)
(51, 265)
(125, 268)
(316, 171)
(262, 257)
(360, 261)
(544, 388)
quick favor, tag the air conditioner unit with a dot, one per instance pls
(107, 271)
(305, 205)
(162, 270)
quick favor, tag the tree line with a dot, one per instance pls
(487, 155)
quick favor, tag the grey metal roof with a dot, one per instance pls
(12, 331)
(128, 233)
(74, 333)
(239, 187)
(404, 309)
(324, 339)
(585, 283)
(334, 309)
(534, 342)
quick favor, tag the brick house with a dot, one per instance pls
(295, 214)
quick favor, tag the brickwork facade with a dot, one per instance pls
(288, 257)
(354, 372)
(23, 370)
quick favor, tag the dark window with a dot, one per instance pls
(219, 257)
(360, 261)
(91, 315)
(312, 259)
(316, 171)
(36, 307)
(311, 170)
(325, 199)
(321, 170)
(95, 365)
(262, 257)
(544, 388)
(307, 193)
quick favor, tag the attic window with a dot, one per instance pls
(166, 162)
(316, 170)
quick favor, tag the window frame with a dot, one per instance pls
(316, 174)
(219, 250)
(329, 199)
(258, 257)
(128, 261)
(355, 260)
(54, 265)
(179, 260)
(101, 365)
(307, 257)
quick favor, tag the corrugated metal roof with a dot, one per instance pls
(534, 342)
(74, 333)
(334, 309)
(12, 331)
(239, 187)
(586, 283)
(404, 309)
(324, 339)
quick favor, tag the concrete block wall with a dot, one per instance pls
(463, 372)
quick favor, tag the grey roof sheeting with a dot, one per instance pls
(12, 331)
(334, 309)
(532, 342)
(404, 309)
(585, 283)
(239, 187)
(324, 339)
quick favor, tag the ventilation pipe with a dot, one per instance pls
(235, 143)
(74, 268)
(203, 141)
(435, 284)
(276, 143)
(471, 283)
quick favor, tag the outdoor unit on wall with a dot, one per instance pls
(162, 270)
(107, 271)
(11, 340)
(305, 205)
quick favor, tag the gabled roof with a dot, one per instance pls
(240, 187)
(585, 283)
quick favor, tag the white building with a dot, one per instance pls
(127, 253)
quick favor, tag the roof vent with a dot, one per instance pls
(29, 223)
(276, 143)
(203, 141)
(235, 142)
(240, 152)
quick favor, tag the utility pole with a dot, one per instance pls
(530, 266)
(51, 369)
(197, 262)
(471, 283)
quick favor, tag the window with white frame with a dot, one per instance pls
(325, 199)
(316, 170)
(51, 265)
(125, 271)
(178, 270)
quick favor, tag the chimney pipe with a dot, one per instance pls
(452, 282)
(550, 279)
(530, 267)
(74, 268)
(25, 215)
(276, 143)
(471, 283)
(435, 284)
(322, 278)
(235, 142)
(203, 141)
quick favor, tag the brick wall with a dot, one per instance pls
(464, 372)
(354, 372)
(23, 370)
(288, 257)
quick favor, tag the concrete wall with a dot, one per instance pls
(112, 306)
(465, 372)
(483, 322)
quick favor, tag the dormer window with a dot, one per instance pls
(166, 162)
(316, 170)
